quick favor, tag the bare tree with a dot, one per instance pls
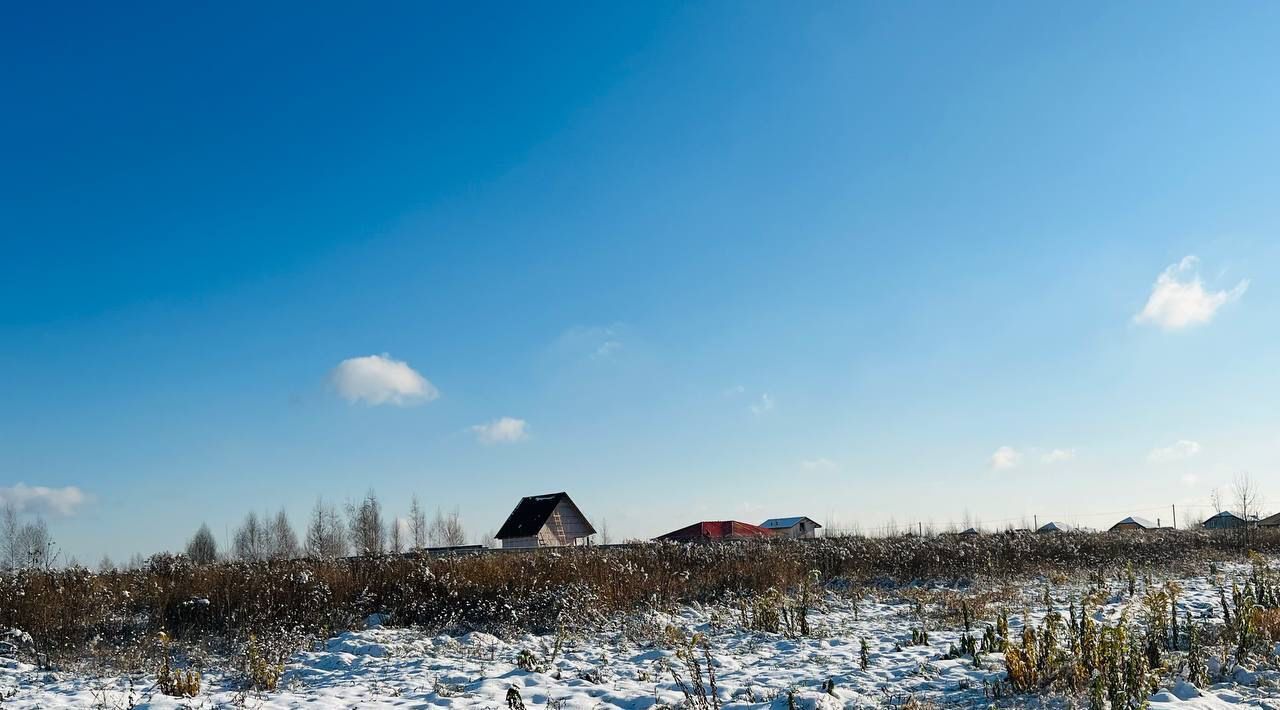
(10, 545)
(396, 540)
(202, 548)
(250, 541)
(282, 540)
(605, 538)
(34, 546)
(105, 564)
(365, 527)
(446, 530)
(417, 525)
(1247, 501)
(326, 535)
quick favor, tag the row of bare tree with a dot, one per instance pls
(364, 530)
(24, 544)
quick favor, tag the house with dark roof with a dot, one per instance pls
(1224, 521)
(798, 526)
(1134, 522)
(551, 520)
(1054, 526)
(716, 530)
(1271, 521)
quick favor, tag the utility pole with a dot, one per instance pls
(920, 527)
(1174, 508)
(1035, 519)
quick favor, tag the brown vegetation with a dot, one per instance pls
(66, 609)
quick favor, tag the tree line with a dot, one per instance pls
(24, 545)
(360, 529)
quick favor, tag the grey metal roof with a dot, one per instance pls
(784, 523)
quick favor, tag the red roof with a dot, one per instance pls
(717, 530)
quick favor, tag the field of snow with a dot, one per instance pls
(629, 665)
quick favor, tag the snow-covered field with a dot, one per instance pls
(629, 666)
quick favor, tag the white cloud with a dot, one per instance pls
(43, 500)
(378, 379)
(592, 342)
(1005, 457)
(764, 405)
(1178, 299)
(1058, 456)
(1181, 449)
(506, 430)
(819, 464)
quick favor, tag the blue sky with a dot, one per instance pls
(696, 261)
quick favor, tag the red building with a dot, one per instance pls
(712, 530)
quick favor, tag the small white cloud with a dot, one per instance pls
(42, 500)
(764, 405)
(819, 464)
(1005, 457)
(591, 342)
(1178, 299)
(506, 430)
(1181, 449)
(1058, 456)
(378, 379)
(607, 348)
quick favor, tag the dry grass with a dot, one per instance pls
(65, 610)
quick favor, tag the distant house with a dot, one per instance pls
(798, 526)
(713, 530)
(550, 520)
(1224, 521)
(1134, 522)
(1271, 521)
(971, 532)
(1052, 527)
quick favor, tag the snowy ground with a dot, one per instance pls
(385, 667)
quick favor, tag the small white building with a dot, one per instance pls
(797, 527)
(550, 520)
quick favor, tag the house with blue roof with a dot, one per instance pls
(797, 527)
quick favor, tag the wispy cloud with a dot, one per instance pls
(43, 500)
(591, 342)
(1005, 457)
(1179, 450)
(1179, 300)
(765, 404)
(1058, 455)
(819, 464)
(506, 430)
(379, 379)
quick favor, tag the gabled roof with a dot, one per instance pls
(784, 523)
(533, 512)
(1270, 521)
(1135, 520)
(1227, 515)
(717, 530)
(1054, 526)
